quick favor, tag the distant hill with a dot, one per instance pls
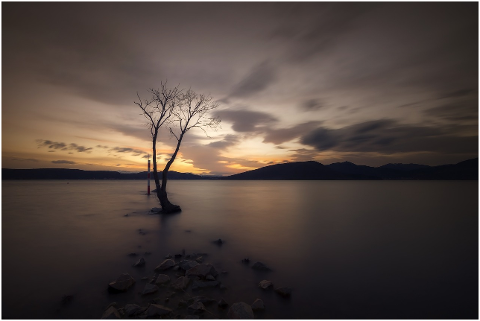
(466, 170)
(346, 170)
(63, 173)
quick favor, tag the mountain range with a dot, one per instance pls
(311, 170)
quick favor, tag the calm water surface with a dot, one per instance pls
(349, 249)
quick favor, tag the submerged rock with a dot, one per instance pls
(149, 288)
(202, 270)
(196, 308)
(165, 265)
(122, 283)
(157, 310)
(260, 267)
(111, 313)
(258, 305)
(187, 264)
(265, 284)
(131, 309)
(240, 310)
(162, 279)
(219, 242)
(181, 283)
(140, 263)
(284, 291)
(222, 303)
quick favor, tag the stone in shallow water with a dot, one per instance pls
(196, 308)
(149, 288)
(202, 270)
(265, 284)
(240, 310)
(131, 309)
(181, 283)
(187, 264)
(140, 262)
(284, 291)
(258, 305)
(260, 267)
(157, 310)
(165, 265)
(111, 313)
(222, 303)
(162, 279)
(122, 283)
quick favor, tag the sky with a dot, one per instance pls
(368, 83)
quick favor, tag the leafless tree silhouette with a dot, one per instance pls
(180, 111)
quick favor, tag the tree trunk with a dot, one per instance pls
(168, 207)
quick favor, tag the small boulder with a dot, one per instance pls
(169, 256)
(187, 264)
(122, 283)
(260, 266)
(240, 310)
(284, 291)
(181, 283)
(162, 279)
(196, 308)
(131, 309)
(199, 259)
(219, 242)
(265, 284)
(222, 304)
(258, 305)
(157, 310)
(202, 270)
(165, 265)
(140, 262)
(210, 278)
(149, 288)
(111, 313)
(203, 299)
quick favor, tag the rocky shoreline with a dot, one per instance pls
(186, 286)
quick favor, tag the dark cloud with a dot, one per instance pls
(387, 137)
(18, 159)
(227, 141)
(258, 79)
(245, 120)
(312, 105)
(278, 136)
(133, 151)
(457, 113)
(61, 161)
(459, 93)
(62, 146)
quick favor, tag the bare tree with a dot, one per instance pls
(182, 111)
(158, 111)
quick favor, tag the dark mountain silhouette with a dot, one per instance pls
(466, 170)
(346, 170)
(63, 173)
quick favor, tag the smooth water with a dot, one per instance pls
(348, 249)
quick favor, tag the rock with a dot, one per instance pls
(165, 265)
(162, 279)
(240, 310)
(149, 288)
(222, 304)
(122, 283)
(181, 283)
(199, 259)
(169, 256)
(198, 284)
(140, 262)
(196, 308)
(246, 260)
(284, 291)
(157, 310)
(260, 266)
(202, 270)
(131, 309)
(187, 264)
(265, 284)
(258, 305)
(203, 299)
(219, 242)
(178, 255)
(111, 313)
(210, 278)
(132, 254)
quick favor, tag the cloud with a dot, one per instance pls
(227, 141)
(312, 105)
(278, 136)
(61, 161)
(62, 146)
(258, 79)
(135, 152)
(19, 159)
(245, 120)
(457, 113)
(388, 137)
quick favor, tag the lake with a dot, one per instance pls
(348, 249)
